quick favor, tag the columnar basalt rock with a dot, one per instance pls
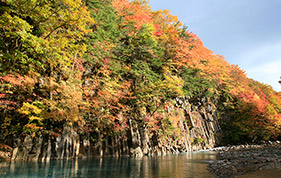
(197, 127)
(44, 147)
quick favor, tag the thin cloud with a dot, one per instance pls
(260, 54)
(244, 32)
(268, 73)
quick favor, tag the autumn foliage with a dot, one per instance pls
(101, 66)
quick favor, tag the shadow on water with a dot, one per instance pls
(190, 165)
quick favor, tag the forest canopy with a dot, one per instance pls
(96, 65)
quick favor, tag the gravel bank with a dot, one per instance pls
(238, 160)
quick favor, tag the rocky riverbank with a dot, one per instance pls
(238, 160)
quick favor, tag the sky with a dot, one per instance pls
(245, 32)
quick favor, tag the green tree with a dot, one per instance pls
(40, 50)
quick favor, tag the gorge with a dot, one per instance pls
(87, 78)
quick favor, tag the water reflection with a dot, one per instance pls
(174, 166)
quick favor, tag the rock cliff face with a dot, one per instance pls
(195, 128)
(45, 147)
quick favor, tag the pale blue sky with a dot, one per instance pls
(245, 32)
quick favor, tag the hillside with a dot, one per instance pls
(92, 77)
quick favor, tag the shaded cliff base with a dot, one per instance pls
(248, 160)
(195, 128)
(70, 145)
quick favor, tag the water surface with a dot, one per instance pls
(189, 165)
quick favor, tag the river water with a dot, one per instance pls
(188, 165)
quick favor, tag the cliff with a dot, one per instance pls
(113, 77)
(197, 128)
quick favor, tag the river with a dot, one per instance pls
(188, 165)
